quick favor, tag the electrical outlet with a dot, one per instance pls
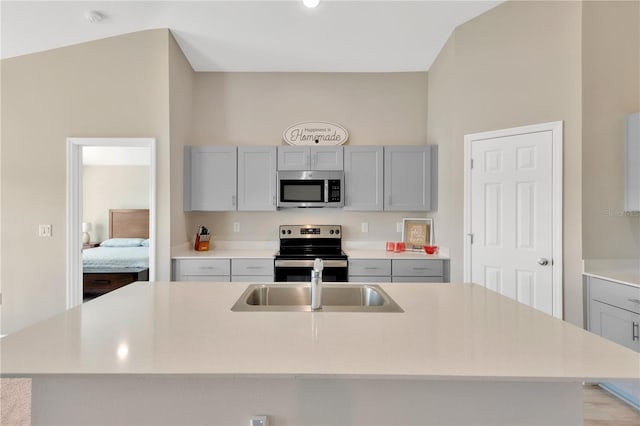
(398, 226)
(44, 230)
(236, 226)
(364, 227)
(259, 421)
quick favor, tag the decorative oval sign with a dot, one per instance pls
(315, 133)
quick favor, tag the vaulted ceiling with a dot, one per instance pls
(254, 36)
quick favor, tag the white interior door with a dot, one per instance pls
(511, 223)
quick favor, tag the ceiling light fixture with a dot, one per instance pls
(311, 3)
(94, 16)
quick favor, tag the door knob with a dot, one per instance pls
(542, 261)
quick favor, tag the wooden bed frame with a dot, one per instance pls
(123, 223)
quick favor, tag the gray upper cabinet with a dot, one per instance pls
(310, 158)
(410, 178)
(256, 178)
(363, 178)
(632, 163)
(210, 178)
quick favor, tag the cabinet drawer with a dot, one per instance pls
(417, 268)
(213, 278)
(369, 278)
(201, 267)
(252, 278)
(616, 294)
(252, 266)
(369, 267)
(417, 279)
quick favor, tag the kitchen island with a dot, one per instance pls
(174, 353)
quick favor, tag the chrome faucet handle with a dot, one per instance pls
(316, 285)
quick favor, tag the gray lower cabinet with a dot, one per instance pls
(310, 158)
(419, 270)
(257, 178)
(370, 270)
(614, 311)
(410, 178)
(210, 178)
(398, 270)
(252, 270)
(202, 270)
(363, 178)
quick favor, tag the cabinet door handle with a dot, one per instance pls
(254, 267)
(371, 267)
(233, 200)
(273, 200)
(634, 300)
(636, 330)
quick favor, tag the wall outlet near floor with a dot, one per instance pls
(44, 230)
(364, 227)
(236, 226)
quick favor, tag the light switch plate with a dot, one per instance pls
(236, 226)
(365, 227)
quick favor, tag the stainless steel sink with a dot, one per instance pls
(297, 298)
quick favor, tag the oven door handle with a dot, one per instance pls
(309, 263)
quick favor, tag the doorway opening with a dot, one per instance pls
(86, 227)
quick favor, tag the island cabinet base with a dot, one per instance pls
(184, 400)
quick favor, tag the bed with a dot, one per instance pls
(121, 259)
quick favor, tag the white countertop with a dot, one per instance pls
(625, 271)
(382, 254)
(446, 331)
(230, 251)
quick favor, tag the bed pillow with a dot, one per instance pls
(145, 243)
(122, 242)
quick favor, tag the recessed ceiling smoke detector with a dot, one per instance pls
(94, 16)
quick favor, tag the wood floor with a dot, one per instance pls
(603, 409)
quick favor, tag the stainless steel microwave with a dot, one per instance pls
(310, 188)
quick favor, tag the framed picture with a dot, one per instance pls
(417, 232)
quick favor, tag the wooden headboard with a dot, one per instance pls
(128, 223)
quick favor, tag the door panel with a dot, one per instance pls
(511, 216)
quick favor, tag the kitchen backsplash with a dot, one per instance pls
(263, 226)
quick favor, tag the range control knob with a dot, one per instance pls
(284, 232)
(331, 232)
(289, 231)
(337, 231)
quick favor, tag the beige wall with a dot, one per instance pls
(611, 90)
(112, 187)
(515, 65)
(117, 87)
(255, 108)
(181, 92)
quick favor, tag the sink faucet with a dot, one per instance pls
(316, 285)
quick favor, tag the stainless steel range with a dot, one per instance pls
(300, 245)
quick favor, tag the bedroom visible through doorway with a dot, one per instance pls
(111, 215)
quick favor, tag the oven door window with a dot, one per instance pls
(296, 274)
(302, 191)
